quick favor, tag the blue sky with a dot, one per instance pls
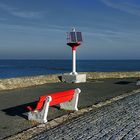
(36, 29)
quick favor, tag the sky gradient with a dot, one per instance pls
(36, 29)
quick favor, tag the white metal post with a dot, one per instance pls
(74, 61)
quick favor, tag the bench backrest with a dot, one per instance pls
(60, 97)
(57, 98)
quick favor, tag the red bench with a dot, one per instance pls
(68, 100)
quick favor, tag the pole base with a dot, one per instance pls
(73, 78)
(73, 73)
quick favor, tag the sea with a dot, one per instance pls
(21, 68)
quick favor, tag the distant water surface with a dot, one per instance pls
(18, 68)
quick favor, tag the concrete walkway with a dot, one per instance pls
(13, 113)
(117, 121)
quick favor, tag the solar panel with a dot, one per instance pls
(79, 36)
(73, 37)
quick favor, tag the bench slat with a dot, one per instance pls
(40, 102)
(60, 100)
(61, 94)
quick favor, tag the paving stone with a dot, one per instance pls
(119, 120)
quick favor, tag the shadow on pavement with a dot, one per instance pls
(22, 109)
(19, 110)
(123, 82)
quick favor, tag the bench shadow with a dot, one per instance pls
(22, 110)
(19, 110)
(123, 82)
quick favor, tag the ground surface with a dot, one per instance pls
(13, 113)
(117, 121)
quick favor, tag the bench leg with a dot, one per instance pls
(40, 116)
(71, 105)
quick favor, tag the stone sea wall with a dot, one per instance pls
(104, 75)
(13, 83)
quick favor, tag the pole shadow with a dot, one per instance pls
(123, 82)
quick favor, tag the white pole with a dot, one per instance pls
(74, 62)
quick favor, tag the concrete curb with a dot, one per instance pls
(63, 119)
